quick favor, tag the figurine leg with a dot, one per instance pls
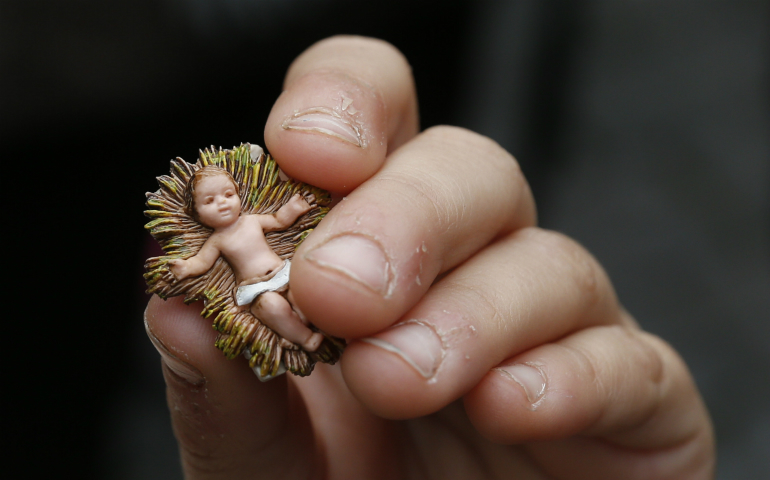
(276, 312)
(294, 307)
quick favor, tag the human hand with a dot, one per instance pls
(519, 361)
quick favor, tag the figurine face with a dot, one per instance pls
(217, 202)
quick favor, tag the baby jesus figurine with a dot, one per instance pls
(261, 277)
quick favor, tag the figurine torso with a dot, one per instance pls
(244, 247)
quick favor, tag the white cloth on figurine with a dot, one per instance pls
(247, 293)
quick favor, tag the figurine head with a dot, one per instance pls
(212, 197)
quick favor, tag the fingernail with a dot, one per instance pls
(325, 121)
(357, 257)
(186, 371)
(418, 344)
(529, 377)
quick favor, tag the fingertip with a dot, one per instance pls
(502, 412)
(328, 129)
(598, 382)
(385, 385)
(413, 368)
(218, 406)
(179, 328)
(379, 66)
(347, 102)
(185, 340)
(337, 304)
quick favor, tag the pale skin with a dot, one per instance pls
(240, 239)
(436, 248)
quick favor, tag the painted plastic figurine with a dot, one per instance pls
(229, 226)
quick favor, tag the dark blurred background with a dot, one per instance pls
(642, 126)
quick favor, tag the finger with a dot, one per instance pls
(437, 200)
(357, 444)
(616, 383)
(228, 424)
(347, 101)
(530, 288)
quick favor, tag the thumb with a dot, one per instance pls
(228, 423)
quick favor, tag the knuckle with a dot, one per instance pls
(470, 154)
(576, 264)
(479, 152)
(486, 303)
(598, 366)
(665, 367)
(587, 366)
(649, 379)
(649, 358)
(471, 144)
(623, 370)
(438, 205)
(634, 354)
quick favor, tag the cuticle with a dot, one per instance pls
(435, 330)
(347, 118)
(533, 406)
(414, 321)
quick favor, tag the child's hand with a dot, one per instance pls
(298, 204)
(488, 347)
(178, 268)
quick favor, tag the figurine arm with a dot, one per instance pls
(196, 265)
(286, 215)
